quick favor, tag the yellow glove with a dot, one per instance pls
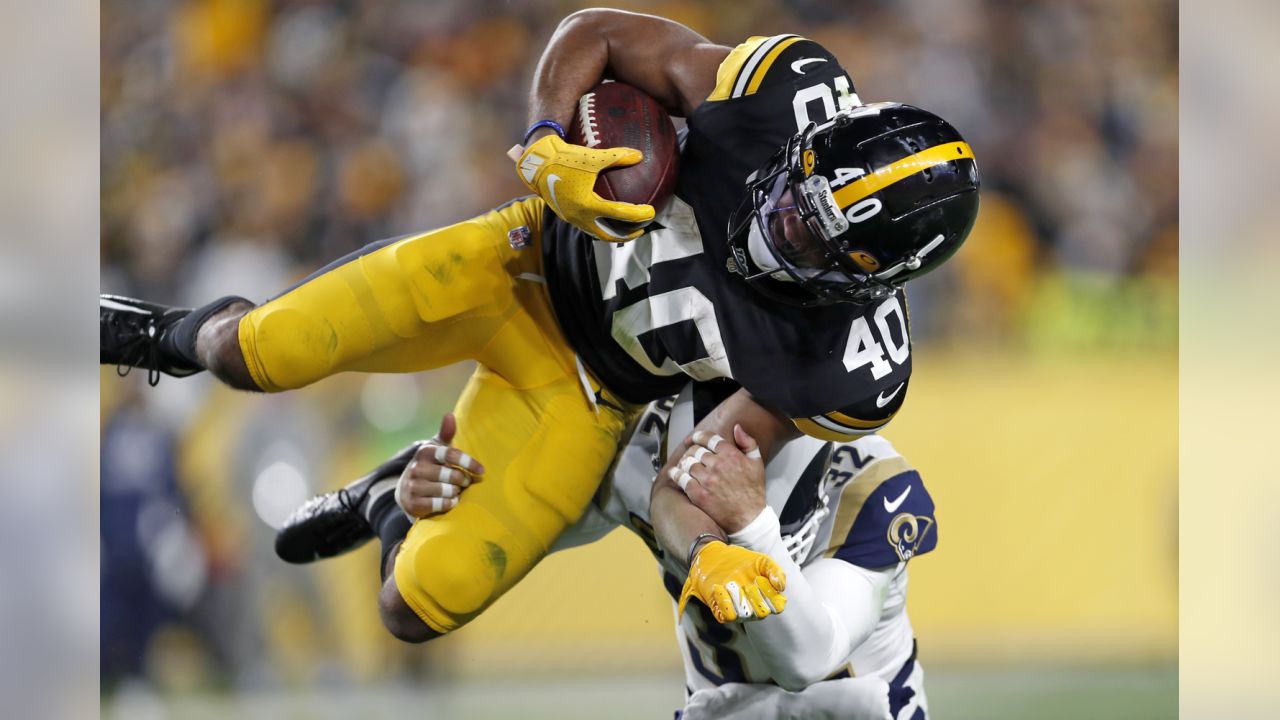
(736, 583)
(565, 176)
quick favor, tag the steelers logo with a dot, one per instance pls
(865, 260)
(807, 159)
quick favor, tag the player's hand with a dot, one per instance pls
(724, 478)
(735, 583)
(565, 176)
(434, 479)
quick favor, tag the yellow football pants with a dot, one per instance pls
(427, 301)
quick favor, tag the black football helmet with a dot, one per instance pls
(856, 206)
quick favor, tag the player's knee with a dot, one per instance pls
(455, 576)
(218, 345)
(400, 620)
(290, 347)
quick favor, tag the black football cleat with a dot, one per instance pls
(338, 522)
(130, 333)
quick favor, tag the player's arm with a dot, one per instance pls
(699, 531)
(665, 59)
(676, 520)
(862, 698)
(832, 607)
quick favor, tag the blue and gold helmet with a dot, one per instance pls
(856, 206)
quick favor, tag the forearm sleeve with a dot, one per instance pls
(832, 607)
(862, 698)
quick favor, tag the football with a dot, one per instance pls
(616, 114)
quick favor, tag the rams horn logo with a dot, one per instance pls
(906, 532)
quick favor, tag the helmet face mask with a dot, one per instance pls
(849, 210)
(809, 504)
(799, 538)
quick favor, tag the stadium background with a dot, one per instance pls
(246, 142)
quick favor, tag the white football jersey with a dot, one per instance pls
(866, 506)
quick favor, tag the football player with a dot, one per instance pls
(778, 267)
(840, 521)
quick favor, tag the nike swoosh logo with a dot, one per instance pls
(551, 189)
(798, 66)
(881, 400)
(892, 506)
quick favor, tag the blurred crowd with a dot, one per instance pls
(246, 142)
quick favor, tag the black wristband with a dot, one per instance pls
(693, 546)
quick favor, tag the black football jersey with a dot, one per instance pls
(645, 314)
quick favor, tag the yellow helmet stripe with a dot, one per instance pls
(828, 427)
(906, 167)
(763, 69)
(813, 429)
(854, 422)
